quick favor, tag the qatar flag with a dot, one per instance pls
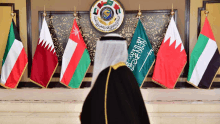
(45, 60)
(171, 58)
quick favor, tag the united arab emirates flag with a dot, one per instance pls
(204, 59)
(171, 58)
(140, 54)
(45, 60)
(14, 60)
(76, 60)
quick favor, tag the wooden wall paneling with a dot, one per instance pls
(29, 35)
(186, 45)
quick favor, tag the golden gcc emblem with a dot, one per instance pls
(106, 15)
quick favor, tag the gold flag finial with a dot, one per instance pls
(12, 12)
(75, 14)
(44, 14)
(139, 13)
(206, 13)
(172, 12)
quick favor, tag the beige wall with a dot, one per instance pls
(194, 5)
(21, 6)
(5, 12)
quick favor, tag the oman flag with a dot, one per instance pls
(14, 60)
(171, 58)
(76, 60)
(204, 59)
(45, 59)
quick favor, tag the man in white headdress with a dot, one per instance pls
(115, 97)
(110, 50)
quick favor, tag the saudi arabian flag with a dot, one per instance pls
(204, 60)
(140, 54)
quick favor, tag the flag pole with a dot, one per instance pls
(139, 12)
(12, 12)
(75, 14)
(206, 13)
(44, 14)
(172, 12)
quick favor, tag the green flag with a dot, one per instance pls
(140, 54)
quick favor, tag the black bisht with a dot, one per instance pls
(124, 104)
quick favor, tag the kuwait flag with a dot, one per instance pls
(140, 54)
(14, 60)
(76, 60)
(45, 60)
(204, 60)
(171, 58)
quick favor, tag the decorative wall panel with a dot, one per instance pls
(60, 24)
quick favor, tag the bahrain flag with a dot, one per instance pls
(171, 58)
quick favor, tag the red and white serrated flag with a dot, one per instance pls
(45, 60)
(171, 58)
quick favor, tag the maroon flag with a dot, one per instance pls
(45, 60)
